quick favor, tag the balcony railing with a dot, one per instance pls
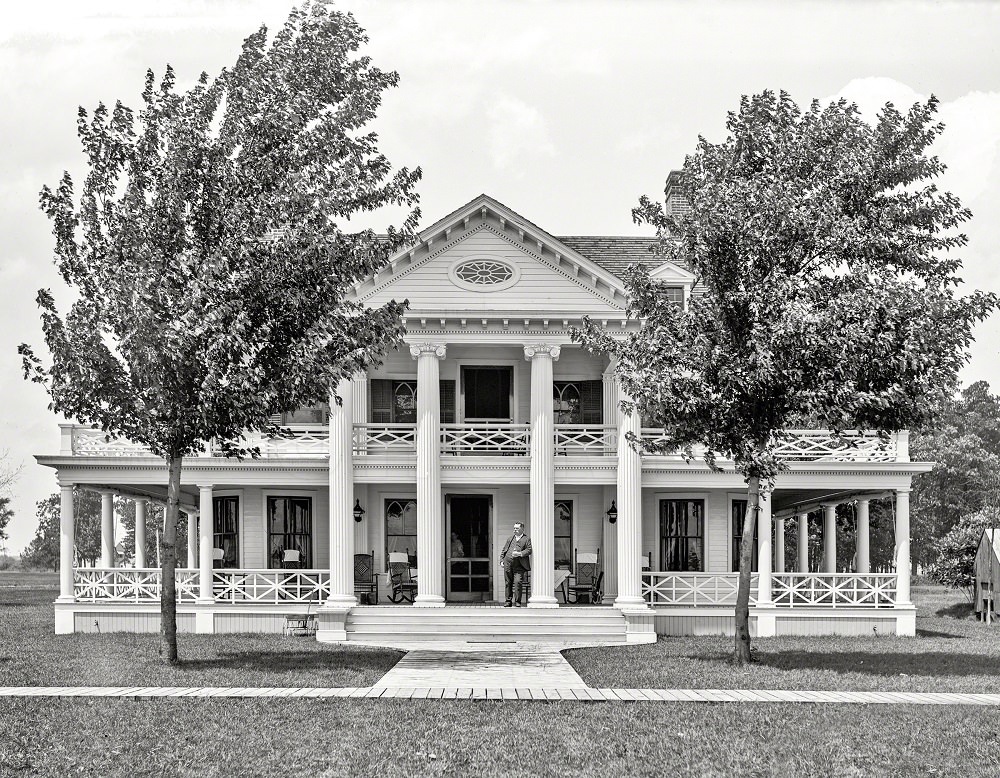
(123, 584)
(586, 440)
(486, 439)
(693, 589)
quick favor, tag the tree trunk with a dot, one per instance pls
(168, 557)
(741, 651)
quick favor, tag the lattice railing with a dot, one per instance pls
(312, 440)
(854, 590)
(693, 589)
(124, 584)
(586, 440)
(486, 439)
(87, 441)
(275, 586)
(385, 438)
(815, 445)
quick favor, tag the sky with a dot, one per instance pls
(565, 111)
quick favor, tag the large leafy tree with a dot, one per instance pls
(209, 252)
(825, 292)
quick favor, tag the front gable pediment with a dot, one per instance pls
(485, 258)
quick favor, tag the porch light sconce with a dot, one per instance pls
(612, 513)
(359, 512)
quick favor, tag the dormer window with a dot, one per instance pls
(673, 294)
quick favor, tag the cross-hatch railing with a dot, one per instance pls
(815, 446)
(586, 440)
(137, 585)
(789, 590)
(486, 439)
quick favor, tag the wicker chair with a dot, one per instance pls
(365, 577)
(587, 580)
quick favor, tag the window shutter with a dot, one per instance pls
(591, 402)
(447, 402)
(275, 418)
(381, 409)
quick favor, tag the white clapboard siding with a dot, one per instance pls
(428, 286)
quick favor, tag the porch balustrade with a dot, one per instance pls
(142, 585)
(506, 440)
(788, 590)
(854, 590)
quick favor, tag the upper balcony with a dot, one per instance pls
(312, 441)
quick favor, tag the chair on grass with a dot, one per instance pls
(588, 579)
(403, 587)
(365, 577)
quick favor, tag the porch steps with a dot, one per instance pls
(394, 625)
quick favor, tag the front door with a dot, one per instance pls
(467, 546)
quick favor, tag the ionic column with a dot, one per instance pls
(342, 497)
(67, 521)
(543, 475)
(430, 513)
(829, 538)
(629, 515)
(107, 529)
(864, 538)
(140, 533)
(779, 545)
(206, 523)
(192, 560)
(764, 551)
(902, 546)
(803, 547)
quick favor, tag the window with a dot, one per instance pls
(484, 272)
(395, 401)
(289, 526)
(310, 414)
(226, 531)
(564, 534)
(673, 294)
(738, 509)
(487, 393)
(682, 535)
(401, 529)
(578, 402)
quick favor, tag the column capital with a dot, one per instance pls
(533, 350)
(203, 487)
(903, 490)
(418, 350)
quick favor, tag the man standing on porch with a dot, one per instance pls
(516, 561)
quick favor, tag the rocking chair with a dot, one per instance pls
(403, 587)
(588, 579)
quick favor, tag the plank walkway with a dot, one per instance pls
(534, 693)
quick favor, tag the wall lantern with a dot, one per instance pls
(612, 513)
(359, 512)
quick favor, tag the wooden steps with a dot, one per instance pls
(398, 624)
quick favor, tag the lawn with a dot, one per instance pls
(952, 652)
(398, 737)
(32, 655)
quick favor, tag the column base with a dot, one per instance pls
(331, 623)
(631, 603)
(640, 627)
(65, 620)
(906, 620)
(765, 615)
(339, 601)
(538, 601)
(428, 601)
(204, 618)
(65, 598)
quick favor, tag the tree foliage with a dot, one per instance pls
(43, 550)
(209, 251)
(825, 290)
(6, 514)
(955, 565)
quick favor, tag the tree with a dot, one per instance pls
(43, 550)
(824, 295)
(955, 565)
(6, 514)
(964, 444)
(208, 251)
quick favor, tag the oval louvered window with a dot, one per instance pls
(484, 274)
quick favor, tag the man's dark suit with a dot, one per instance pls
(514, 567)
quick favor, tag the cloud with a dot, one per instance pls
(516, 131)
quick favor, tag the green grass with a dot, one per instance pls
(952, 652)
(32, 655)
(398, 737)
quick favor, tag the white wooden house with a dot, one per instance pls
(490, 415)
